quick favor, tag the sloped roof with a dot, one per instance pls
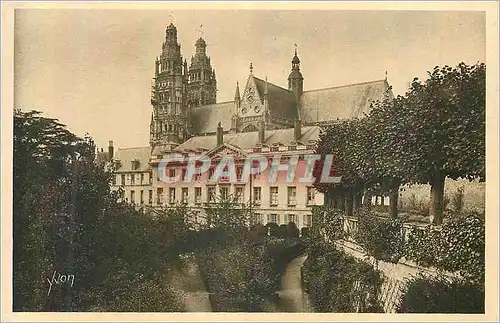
(248, 140)
(206, 118)
(127, 155)
(348, 101)
(282, 102)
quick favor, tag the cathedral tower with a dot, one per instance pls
(295, 79)
(202, 86)
(171, 115)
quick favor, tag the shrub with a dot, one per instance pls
(440, 295)
(381, 238)
(304, 232)
(458, 246)
(291, 230)
(419, 206)
(340, 283)
(282, 231)
(328, 223)
(273, 229)
(240, 276)
(458, 201)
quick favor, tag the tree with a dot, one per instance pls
(447, 137)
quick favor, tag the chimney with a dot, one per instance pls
(220, 135)
(262, 132)
(111, 149)
(297, 133)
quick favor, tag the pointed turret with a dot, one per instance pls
(295, 79)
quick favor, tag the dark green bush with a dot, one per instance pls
(440, 295)
(381, 238)
(282, 231)
(304, 232)
(457, 246)
(273, 229)
(337, 282)
(291, 230)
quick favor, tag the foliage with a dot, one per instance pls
(241, 276)
(419, 206)
(273, 229)
(380, 238)
(441, 295)
(292, 231)
(304, 232)
(228, 215)
(436, 130)
(66, 220)
(459, 246)
(340, 283)
(328, 223)
(457, 200)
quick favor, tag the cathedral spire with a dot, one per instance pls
(237, 97)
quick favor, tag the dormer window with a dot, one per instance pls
(135, 164)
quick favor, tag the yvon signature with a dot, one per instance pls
(61, 279)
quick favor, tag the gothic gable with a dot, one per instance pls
(252, 101)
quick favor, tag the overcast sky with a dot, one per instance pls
(92, 69)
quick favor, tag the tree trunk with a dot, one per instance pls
(382, 200)
(349, 201)
(342, 202)
(436, 200)
(393, 198)
(357, 196)
(376, 199)
(367, 202)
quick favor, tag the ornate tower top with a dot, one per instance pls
(202, 87)
(295, 79)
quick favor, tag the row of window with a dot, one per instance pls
(224, 194)
(211, 171)
(282, 218)
(305, 220)
(133, 179)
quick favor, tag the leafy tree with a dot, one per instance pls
(447, 136)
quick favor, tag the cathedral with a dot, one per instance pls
(263, 118)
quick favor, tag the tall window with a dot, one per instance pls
(171, 172)
(308, 220)
(239, 173)
(123, 180)
(142, 178)
(274, 218)
(171, 195)
(150, 197)
(211, 171)
(292, 218)
(159, 196)
(239, 194)
(292, 194)
(224, 192)
(211, 194)
(257, 195)
(258, 218)
(132, 197)
(184, 195)
(273, 196)
(310, 195)
(142, 197)
(197, 195)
